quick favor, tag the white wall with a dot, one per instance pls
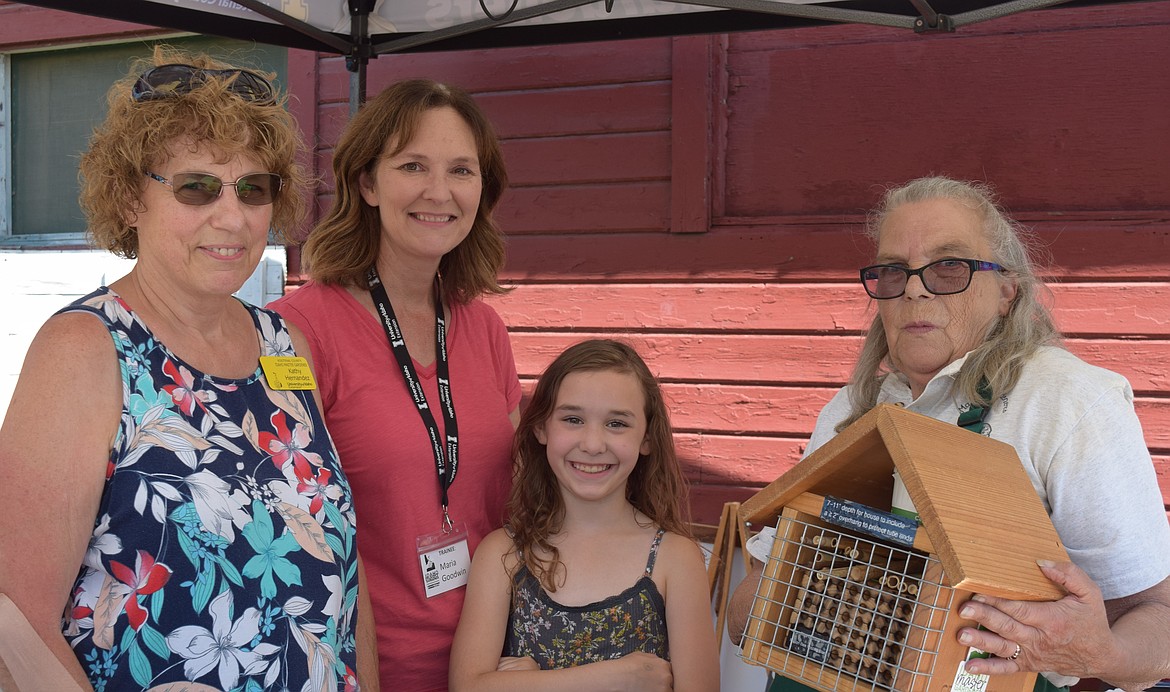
(35, 284)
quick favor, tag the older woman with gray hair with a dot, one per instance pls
(960, 331)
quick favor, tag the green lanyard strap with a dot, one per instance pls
(972, 418)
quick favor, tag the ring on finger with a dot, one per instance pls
(1015, 654)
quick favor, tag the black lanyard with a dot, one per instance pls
(445, 470)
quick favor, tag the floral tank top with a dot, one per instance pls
(223, 554)
(560, 636)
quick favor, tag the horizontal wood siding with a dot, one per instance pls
(585, 128)
(746, 367)
(798, 249)
(702, 197)
(1059, 109)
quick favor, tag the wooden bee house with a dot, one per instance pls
(855, 597)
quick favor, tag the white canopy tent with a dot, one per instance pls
(363, 29)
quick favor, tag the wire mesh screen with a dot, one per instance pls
(843, 612)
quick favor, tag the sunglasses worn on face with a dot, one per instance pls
(169, 81)
(256, 189)
(942, 278)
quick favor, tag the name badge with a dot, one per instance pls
(444, 559)
(286, 373)
(968, 682)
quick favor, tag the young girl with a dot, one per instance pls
(596, 565)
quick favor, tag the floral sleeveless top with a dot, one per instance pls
(559, 636)
(223, 554)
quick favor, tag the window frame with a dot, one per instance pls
(73, 240)
(5, 147)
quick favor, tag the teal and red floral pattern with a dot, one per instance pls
(223, 555)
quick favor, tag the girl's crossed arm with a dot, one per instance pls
(479, 640)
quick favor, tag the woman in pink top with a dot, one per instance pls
(416, 373)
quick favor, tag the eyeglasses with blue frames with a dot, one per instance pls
(256, 189)
(944, 277)
(170, 81)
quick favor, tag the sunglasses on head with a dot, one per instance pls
(169, 81)
(256, 189)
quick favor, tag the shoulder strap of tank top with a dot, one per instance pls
(654, 551)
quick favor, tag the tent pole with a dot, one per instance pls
(359, 55)
(357, 87)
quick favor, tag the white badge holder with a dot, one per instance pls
(444, 559)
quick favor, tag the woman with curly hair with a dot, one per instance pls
(183, 518)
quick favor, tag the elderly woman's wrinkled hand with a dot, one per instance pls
(1070, 636)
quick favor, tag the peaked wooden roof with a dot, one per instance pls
(977, 505)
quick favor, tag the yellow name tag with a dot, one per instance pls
(287, 372)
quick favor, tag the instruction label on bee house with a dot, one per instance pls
(804, 642)
(884, 525)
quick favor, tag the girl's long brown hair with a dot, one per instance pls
(656, 487)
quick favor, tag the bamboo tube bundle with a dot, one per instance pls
(857, 574)
(836, 656)
(812, 602)
(868, 669)
(903, 609)
(885, 674)
(861, 619)
(851, 662)
(848, 605)
(868, 600)
(876, 648)
(855, 596)
(839, 639)
(887, 630)
(846, 612)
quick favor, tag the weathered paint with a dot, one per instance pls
(702, 196)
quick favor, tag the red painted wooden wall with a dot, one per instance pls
(701, 196)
